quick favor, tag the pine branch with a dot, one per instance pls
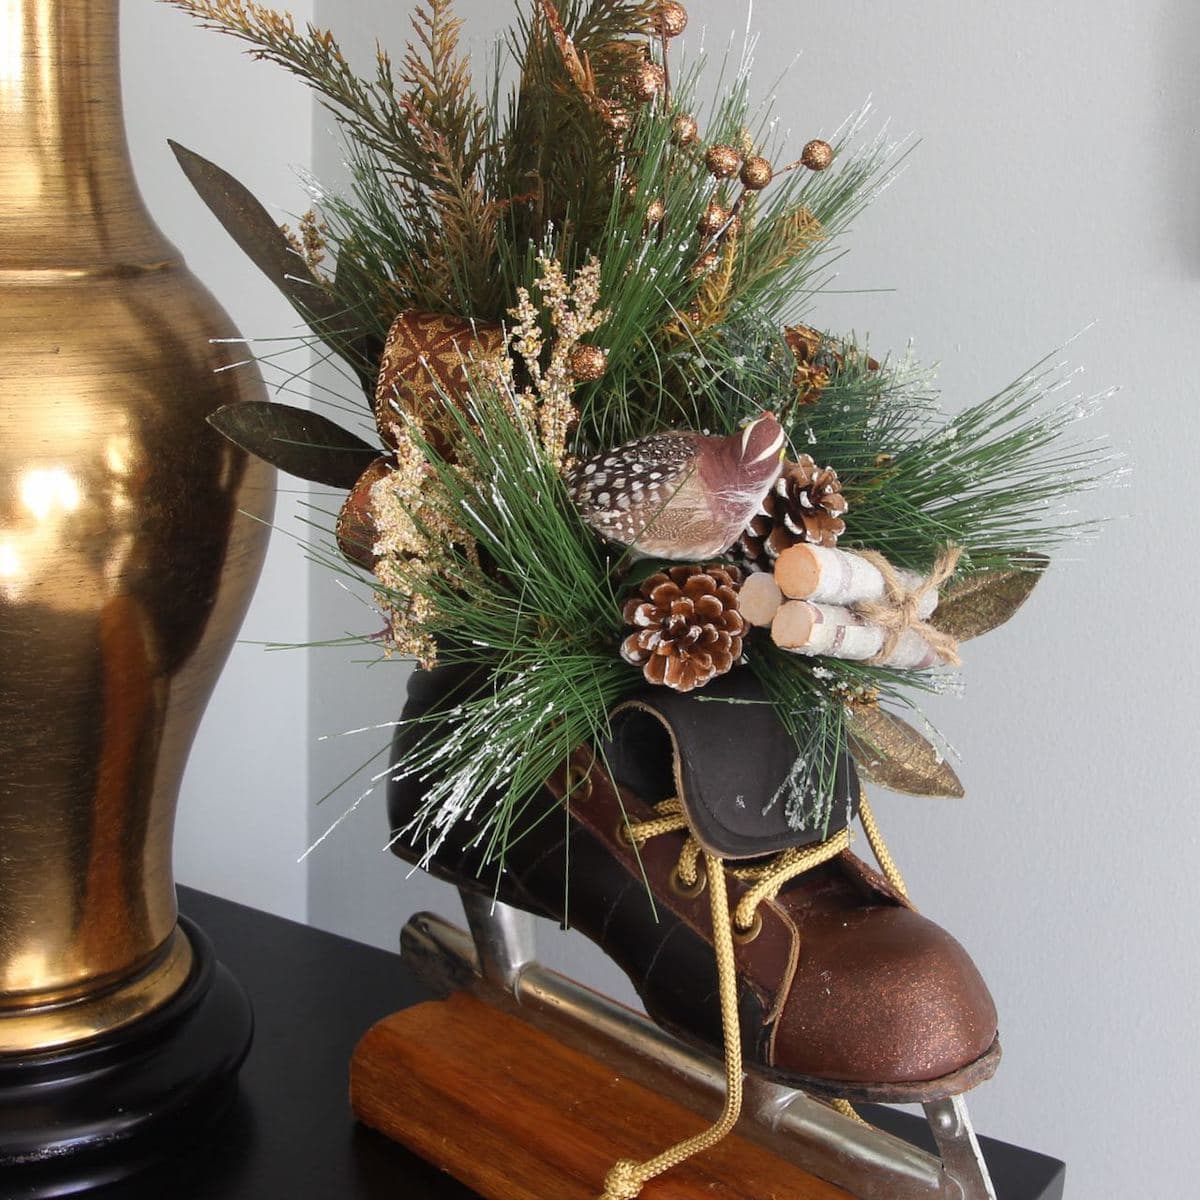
(995, 479)
(542, 620)
(557, 141)
(416, 144)
(368, 109)
(439, 87)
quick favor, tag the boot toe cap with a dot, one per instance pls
(885, 996)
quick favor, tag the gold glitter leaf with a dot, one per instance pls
(891, 753)
(983, 600)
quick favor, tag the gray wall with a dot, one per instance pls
(1055, 186)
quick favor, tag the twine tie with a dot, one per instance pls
(898, 611)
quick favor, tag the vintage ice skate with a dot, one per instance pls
(691, 560)
(841, 992)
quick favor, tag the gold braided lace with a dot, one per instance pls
(627, 1177)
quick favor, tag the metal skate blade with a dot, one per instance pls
(498, 965)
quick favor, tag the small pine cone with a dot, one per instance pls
(805, 504)
(817, 361)
(687, 625)
(810, 381)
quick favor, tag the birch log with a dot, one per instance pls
(760, 598)
(829, 576)
(836, 632)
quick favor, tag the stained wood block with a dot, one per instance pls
(514, 1114)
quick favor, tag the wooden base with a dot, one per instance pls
(515, 1115)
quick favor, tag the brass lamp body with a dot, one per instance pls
(125, 567)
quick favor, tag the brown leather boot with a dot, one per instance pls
(843, 989)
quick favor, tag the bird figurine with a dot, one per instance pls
(680, 495)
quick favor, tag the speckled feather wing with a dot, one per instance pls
(645, 494)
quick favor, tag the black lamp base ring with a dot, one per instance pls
(84, 1117)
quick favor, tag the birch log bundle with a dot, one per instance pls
(809, 605)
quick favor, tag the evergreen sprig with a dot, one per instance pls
(371, 110)
(418, 142)
(995, 479)
(539, 619)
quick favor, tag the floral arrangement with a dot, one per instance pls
(599, 449)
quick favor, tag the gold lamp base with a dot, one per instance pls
(49, 1027)
(126, 565)
(126, 557)
(94, 1112)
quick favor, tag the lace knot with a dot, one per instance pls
(623, 1181)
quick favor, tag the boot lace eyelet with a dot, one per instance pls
(623, 834)
(577, 784)
(743, 936)
(689, 891)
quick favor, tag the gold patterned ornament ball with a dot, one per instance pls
(722, 161)
(647, 81)
(424, 362)
(756, 173)
(588, 363)
(713, 219)
(672, 19)
(684, 129)
(817, 155)
(655, 211)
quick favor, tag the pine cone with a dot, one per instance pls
(818, 360)
(804, 505)
(687, 627)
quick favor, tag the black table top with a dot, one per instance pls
(292, 1135)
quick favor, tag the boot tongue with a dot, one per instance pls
(729, 759)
